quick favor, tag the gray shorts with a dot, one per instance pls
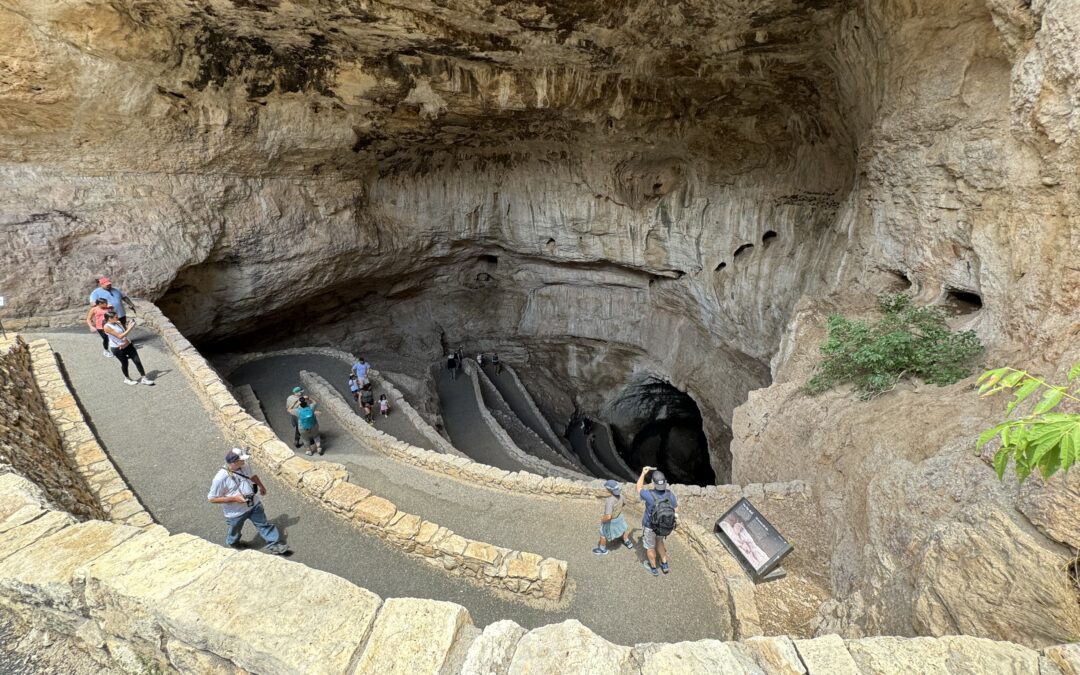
(649, 538)
(311, 436)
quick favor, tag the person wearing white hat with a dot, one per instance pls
(239, 494)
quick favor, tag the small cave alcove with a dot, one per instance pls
(658, 425)
(962, 302)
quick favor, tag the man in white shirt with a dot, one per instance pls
(238, 491)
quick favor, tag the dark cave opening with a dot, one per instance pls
(658, 425)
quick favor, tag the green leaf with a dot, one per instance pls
(1050, 400)
(1001, 460)
(1070, 443)
(1013, 378)
(986, 436)
(1025, 390)
(1074, 371)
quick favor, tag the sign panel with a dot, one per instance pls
(752, 539)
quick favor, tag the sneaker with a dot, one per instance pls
(308, 453)
(128, 380)
(277, 548)
(652, 570)
(146, 381)
(628, 543)
(107, 354)
(664, 568)
(600, 551)
(297, 444)
(321, 451)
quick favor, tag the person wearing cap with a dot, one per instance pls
(240, 495)
(654, 544)
(612, 524)
(292, 405)
(113, 296)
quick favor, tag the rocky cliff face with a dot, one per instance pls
(616, 191)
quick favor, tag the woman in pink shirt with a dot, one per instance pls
(95, 319)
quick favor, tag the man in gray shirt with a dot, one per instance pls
(238, 491)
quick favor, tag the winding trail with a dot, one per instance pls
(163, 442)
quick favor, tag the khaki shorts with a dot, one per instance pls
(649, 538)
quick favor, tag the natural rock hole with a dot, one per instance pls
(962, 302)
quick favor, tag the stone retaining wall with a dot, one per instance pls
(553, 439)
(29, 441)
(535, 464)
(142, 600)
(516, 575)
(118, 502)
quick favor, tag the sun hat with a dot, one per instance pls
(298, 390)
(104, 281)
(236, 455)
(613, 487)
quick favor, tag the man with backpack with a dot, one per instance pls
(661, 517)
(308, 424)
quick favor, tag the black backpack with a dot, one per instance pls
(662, 518)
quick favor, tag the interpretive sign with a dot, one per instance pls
(753, 541)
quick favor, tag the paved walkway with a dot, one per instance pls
(467, 431)
(604, 445)
(608, 597)
(163, 442)
(588, 457)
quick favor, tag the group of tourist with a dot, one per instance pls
(659, 520)
(456, 360)
(108, 318)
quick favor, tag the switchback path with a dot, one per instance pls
(609, 591)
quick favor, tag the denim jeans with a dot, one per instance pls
(267, 530)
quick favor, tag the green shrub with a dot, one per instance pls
(1044, 439)
(907, 341)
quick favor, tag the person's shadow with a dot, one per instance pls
(283, 523)
(156, 374)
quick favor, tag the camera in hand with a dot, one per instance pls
(250, 499)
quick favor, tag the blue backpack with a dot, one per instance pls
(306, 418)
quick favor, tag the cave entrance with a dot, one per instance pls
(658, 425)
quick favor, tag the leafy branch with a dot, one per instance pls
(1043, 439)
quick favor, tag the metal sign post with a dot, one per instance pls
(754, 542)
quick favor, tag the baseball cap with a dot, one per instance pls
(235, 455)
(104, 281)
(613, 487)
(659, 481)
(298, 390)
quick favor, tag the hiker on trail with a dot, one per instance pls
(495, 362)
(113, 296)
(460, 354)
(612, 524)
(452, 365)
(361, 368)
(367, 402)
(354, 386)
(238, 490)
(122, 348)
(292, 404)
(95, 319)
(384, 405)
(308, 422)
(661, 516)
(586, 425)
(480, 359)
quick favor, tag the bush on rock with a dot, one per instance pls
(908, 340)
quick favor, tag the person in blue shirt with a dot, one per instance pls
(360, 368)
(113, 296)
(654, 543)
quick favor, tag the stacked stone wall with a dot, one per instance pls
(516, 575)
(29, 441)
(142, 600)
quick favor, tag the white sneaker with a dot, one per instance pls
(130, 381)
(107, 354)
(146, 380)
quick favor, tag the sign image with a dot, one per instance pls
(752, 539)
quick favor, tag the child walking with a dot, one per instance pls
(354, 385)
(367, 402)
(612, 524)
(384, 405)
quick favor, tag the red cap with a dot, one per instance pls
(104, 281)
